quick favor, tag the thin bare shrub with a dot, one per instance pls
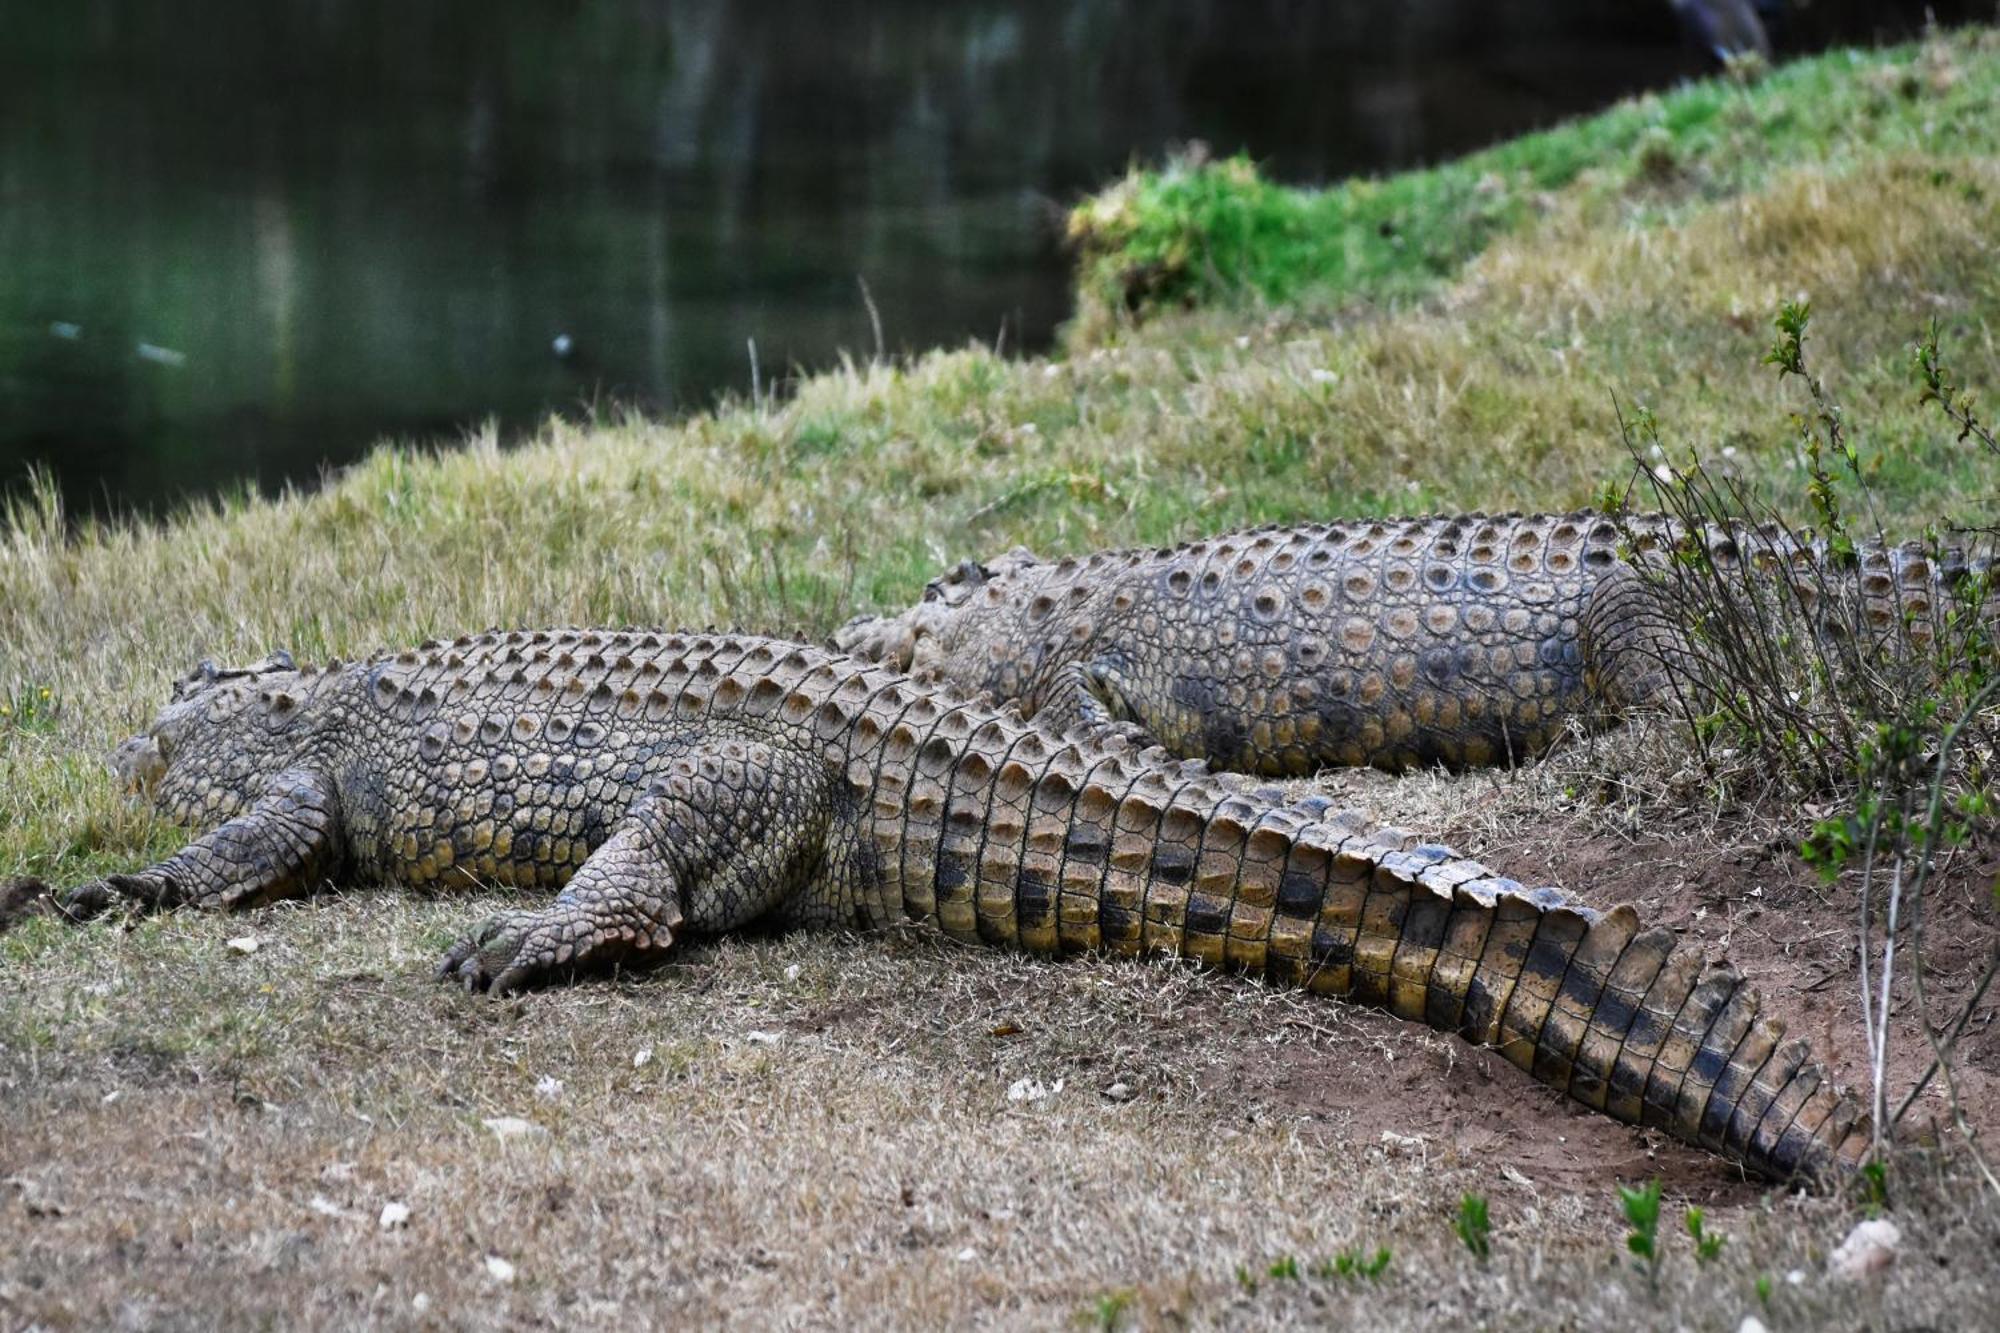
(1857, 672)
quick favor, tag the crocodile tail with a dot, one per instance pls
(1017, 837)
(1614, 1015)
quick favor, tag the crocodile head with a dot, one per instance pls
(214, 741)
(928, 638)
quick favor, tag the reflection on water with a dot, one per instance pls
(245, 240)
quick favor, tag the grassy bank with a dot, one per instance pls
(1197, 232)
(825, 1124)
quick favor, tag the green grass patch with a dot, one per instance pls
(1197, 232)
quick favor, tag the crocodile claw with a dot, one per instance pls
(505, 954)
(512, 951)
(87, 900)
(146, 891)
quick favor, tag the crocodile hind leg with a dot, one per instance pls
(1636, 652)
(283, 846)
(720, 840)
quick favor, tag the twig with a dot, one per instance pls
(1868, 1025)
(874, 317)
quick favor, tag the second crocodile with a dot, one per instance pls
(1456, 640)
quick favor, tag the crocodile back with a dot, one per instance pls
(1462, 640)
(1281, 650)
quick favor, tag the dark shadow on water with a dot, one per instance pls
(242, 241)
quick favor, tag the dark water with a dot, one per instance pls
(244, 241)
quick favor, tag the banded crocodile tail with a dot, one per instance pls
(1589, 1002)
(1159, 859)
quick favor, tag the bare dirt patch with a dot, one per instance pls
(21, 898)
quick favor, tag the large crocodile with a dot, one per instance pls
(677, 784)
(1462, 640)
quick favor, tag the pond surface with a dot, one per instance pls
(240, 242)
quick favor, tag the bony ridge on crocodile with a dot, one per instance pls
(678, 784)
(1461, 640)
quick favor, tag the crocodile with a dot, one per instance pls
(680, 784)
(1460, 640)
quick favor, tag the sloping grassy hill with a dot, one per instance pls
(820, 1125)
(1200, 232)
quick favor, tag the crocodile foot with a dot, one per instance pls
(147, 891)
(501, 954)
(512, 951)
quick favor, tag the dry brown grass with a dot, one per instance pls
(822, 1134)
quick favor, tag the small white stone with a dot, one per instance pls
(245, 944)
(642, 1057)
(1868, 1249)
(511, 1126)
(394, 1214)
(967, 1255)
(1321, 375)
(421, 1303)
(499, 1269)
(1751, 1324)
(792, 972)
(324, 1206)
(1119, 1092)
(547, 1088)
(762, 1038)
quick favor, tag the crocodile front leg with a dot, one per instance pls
(284, 846)
(720, 840)
(1089, 697)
